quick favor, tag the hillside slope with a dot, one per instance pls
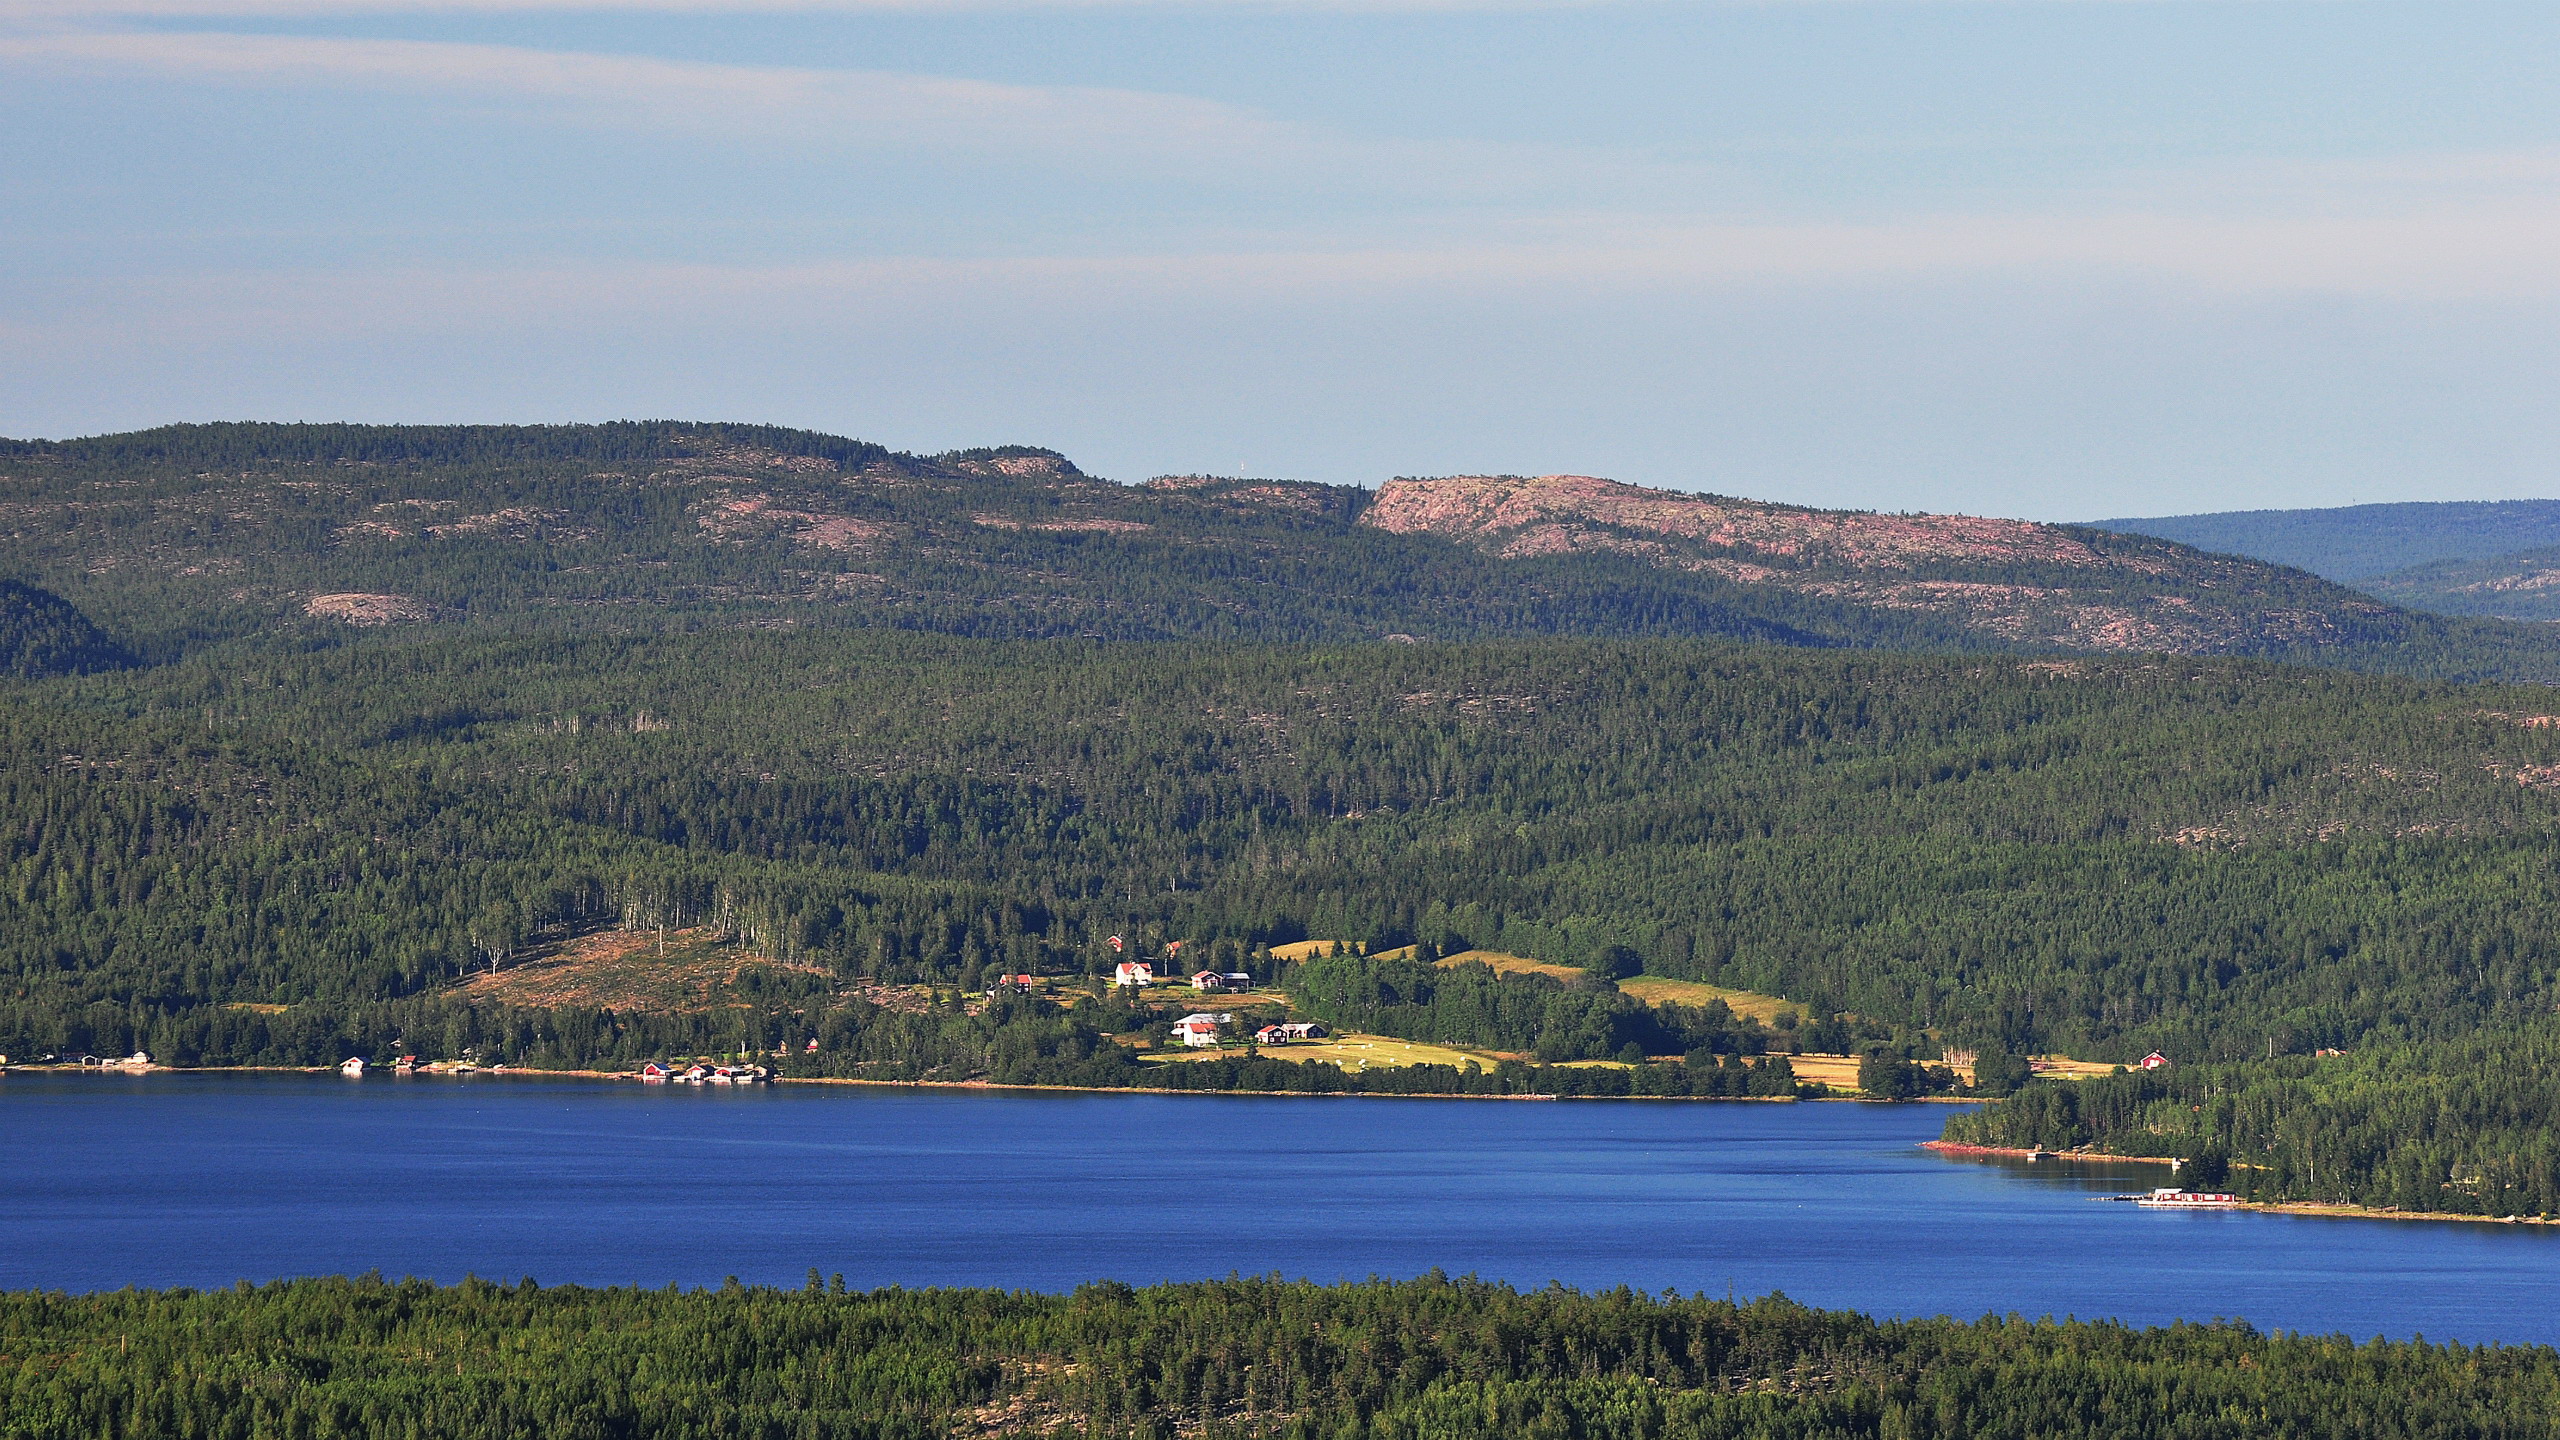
(193, 534)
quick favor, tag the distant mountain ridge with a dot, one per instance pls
(2352, 543)
(2520, 586)
(190, 534)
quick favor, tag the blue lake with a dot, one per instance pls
(204, 1180)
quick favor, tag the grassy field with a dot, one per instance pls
(1355, 1051)
(1840, 1072)
(2063, 1067)
(1763, 1008)
(637, 970)
(1299, 950)
(1510, 964)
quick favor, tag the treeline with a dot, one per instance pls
(1426, 1359)
(2468, 1126)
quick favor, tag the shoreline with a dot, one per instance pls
(2316, 1209)
(510, 1071)
(1950, 1147)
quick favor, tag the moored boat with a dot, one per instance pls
(2169, 1197)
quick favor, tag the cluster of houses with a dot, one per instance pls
(138, 1060)
(1138, 974)
(1200, 1030)
(658, 1074)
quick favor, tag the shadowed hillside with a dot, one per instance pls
(43, 634)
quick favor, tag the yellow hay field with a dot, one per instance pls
(1510, 964)
(1656, 991)
(1354, 1052)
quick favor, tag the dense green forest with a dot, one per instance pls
(1428, 1359)
(2212, 857)
(43, 634)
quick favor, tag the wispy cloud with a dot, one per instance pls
(1144, 136)
(828, 106)
(2462, 258)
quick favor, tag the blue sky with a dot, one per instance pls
(2053, 258)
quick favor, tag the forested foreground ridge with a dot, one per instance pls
(1418, 1360)
(178, 537)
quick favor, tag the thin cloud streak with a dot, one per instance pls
(2457, 257)
(827, 106)
(1144, 134)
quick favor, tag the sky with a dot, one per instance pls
(2060, 259)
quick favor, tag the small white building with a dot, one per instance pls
(1199, 1031)
(352, 1065)
(1133, 973)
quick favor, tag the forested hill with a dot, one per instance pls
(1425, 1359)
(2217, 857)
(188, 535)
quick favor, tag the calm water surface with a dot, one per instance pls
(203, 1180)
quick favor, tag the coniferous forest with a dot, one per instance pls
(1428, 1359)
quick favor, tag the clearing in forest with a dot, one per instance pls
(2063, 1067)
(1509, 964)
(1653, 990)
(1297, 950)
(631, 970)
(1354, 1051)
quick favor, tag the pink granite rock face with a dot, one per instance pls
(2066, 592)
